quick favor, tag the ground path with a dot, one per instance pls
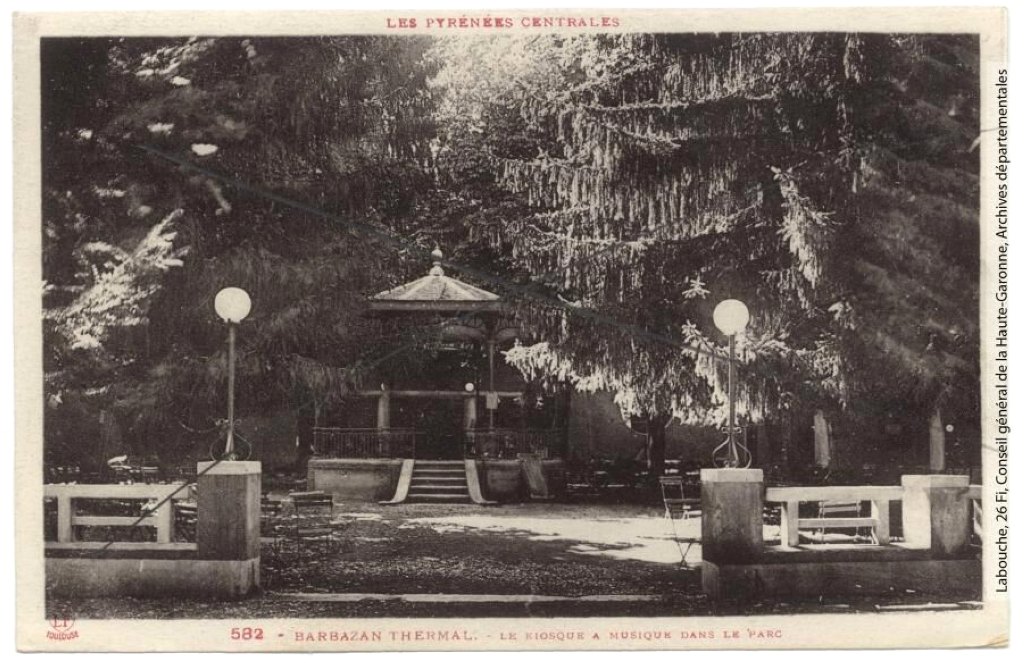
(441, 560)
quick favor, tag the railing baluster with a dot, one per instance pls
(65, 532)
(880, 512)
(164, 523)
(378, 443)
(790, 523)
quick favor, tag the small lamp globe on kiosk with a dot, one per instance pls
(232, 305)
(731, 316)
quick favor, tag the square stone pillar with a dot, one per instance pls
(228, 526)
(469, 412)
(937, 513)
(384, 410)
(731, 525)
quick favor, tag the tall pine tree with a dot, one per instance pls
(663, 173)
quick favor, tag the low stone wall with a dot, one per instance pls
(192, 578)
(936, 555)
(355, 479)
(375, 480)
(223, 563)
(870, 572)
(503, 480)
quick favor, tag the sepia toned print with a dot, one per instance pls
(579, 330)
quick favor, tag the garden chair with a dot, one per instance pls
(673, 496)
(312, 521)
(271, 518)
(678, 506)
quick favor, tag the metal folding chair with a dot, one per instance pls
(678, 506)
(271, 518)
(312, 521)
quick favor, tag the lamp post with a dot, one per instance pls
(731, 317)
(232, 305)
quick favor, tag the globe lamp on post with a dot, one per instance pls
(731, 317)
(233, 306)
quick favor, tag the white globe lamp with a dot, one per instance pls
(232, 305)
(731, 316)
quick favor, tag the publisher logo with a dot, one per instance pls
(62, 627)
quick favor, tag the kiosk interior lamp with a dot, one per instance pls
(233, 306)
(731, 317)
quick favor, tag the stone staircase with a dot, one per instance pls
(439, 481)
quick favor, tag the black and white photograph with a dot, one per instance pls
(518, 315)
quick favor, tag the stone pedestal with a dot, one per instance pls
(937, 513)
(732, 504)
(228, 524)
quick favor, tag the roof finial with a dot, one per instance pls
(436, 255)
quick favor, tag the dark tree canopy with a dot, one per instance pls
(824, 179)
(613, 187)
(137, 246)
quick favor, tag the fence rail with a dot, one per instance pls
(365, 442)
(161, 518)
(836, 500)
(507, 442)
(790, 498)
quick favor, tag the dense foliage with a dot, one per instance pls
(137, 245)
(614, 188)
(827, 180)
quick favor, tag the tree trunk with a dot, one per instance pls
(786, 443)
(656, 425)
(822, 440)
(936, 442)
(564, 417)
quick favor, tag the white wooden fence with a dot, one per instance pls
(161, 518)
(790, 497)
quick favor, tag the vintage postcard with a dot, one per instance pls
(519, 330)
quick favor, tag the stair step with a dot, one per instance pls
(439, 480)
(442, 463)
(429, 487)
(426, 497)
(431, 481)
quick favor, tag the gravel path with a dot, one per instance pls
(567, 550)
(563, 550)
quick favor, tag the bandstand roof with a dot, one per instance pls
(436, 292)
